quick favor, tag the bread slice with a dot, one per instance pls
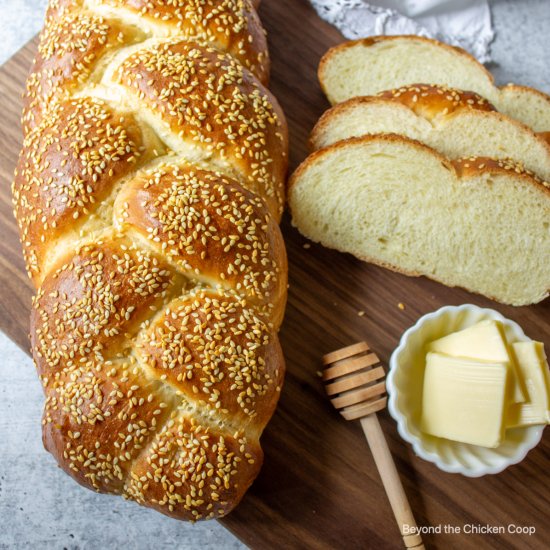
(372, 65)
(455, 123)
(478, 223)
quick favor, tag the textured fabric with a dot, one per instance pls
(464, 23)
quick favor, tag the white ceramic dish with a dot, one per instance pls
(404, 385)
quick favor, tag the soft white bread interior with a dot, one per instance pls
(455, 123)
(480, 224)
(372, 65)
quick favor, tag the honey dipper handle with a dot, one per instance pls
(392, 483)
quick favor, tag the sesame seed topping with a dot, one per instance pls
(431, 101)
(69, 163)
(160, 281)
(209, 225)
(213, 103)
(214, 348)
(229, 25)
(472, 164)
(71, 44)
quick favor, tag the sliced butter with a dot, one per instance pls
(533, 366)
(465, 400)
(483, 341)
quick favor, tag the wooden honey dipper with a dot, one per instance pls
(355, 382)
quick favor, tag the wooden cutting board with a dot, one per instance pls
(319, 487)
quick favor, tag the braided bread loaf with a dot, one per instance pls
(148, 194)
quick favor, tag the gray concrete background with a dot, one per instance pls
(41, 507)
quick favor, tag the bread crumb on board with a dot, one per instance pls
(307, 246)
(361, 313)
(401, 306)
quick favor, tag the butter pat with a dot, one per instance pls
(483, 341)
(533, 366)
(465, 400)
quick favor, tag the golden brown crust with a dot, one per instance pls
(71, 45)
(192, 472)
(98, 419)
(69, 164)
(210, 101)
(232, 26)
(118, 430)
(432, 101)
(74, 40)
(473, 166)
(110, 398)
(86, 310)
(217, 352)
(57, 8)
(210, 227)
(149, 226)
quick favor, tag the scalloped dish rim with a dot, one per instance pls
(533, 434)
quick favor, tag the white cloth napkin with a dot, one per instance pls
(464, 23)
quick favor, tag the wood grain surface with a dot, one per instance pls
(319, 487)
